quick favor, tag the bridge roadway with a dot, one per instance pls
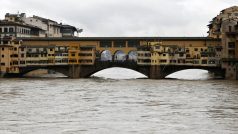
(85, 71)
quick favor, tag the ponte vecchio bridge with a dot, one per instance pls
(51, 45)
(80, 57)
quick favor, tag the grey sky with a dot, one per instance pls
(125, 17)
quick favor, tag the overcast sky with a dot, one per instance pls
(125, 17)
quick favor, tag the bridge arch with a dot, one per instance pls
(87, 71)
(165, 71)
(106, 55)
(44, 73)
(59, 69)
(191, 74)
(119, 55)
(118, 73)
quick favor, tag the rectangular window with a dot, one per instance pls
(230, 28)
(2, 64)
(231, 53)
(0, 30)
(11, 30)
(195, 49)
(181, 55)
(22, 62)
(163, 61)
(204, 61)
(72, 60)
(231, 44)
(5, 30)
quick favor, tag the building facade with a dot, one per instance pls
(225, 27)
(34, 26)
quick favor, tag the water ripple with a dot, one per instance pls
(117, 106)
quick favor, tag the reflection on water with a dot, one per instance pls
(53, 106)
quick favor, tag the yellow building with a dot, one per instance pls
(9, 57)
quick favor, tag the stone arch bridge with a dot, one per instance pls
(152, 72)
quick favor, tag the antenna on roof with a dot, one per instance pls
(18, 13)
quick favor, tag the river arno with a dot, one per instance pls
(66, 106)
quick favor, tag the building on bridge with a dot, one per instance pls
(156, 53)
(87, 52)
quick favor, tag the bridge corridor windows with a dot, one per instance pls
(105, 44)
(133, 43)
(119, 44)
(120, 56)
(106, 55)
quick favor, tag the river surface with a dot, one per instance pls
(106, 106)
